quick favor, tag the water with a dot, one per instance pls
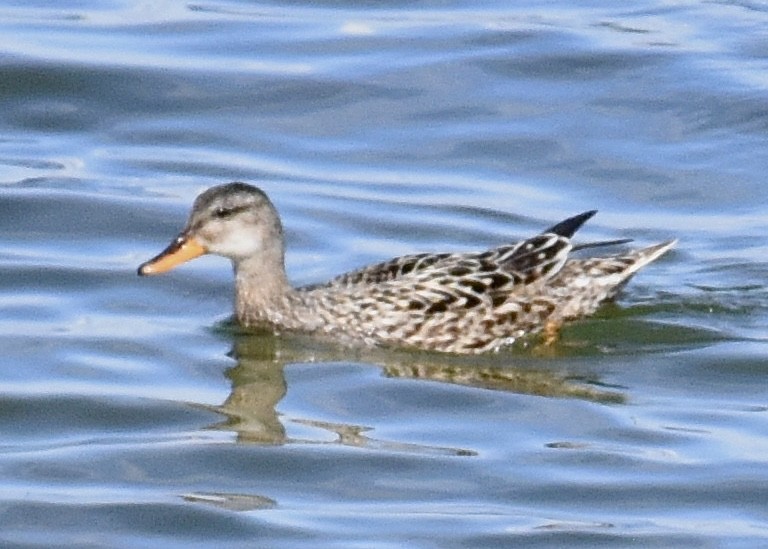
(132, 413)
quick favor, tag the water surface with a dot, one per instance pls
(133, 413)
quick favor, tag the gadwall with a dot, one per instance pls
(450, 302)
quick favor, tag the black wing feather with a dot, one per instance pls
(568, 227)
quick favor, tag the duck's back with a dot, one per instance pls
(470, 303)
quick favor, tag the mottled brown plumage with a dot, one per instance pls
(450, 302)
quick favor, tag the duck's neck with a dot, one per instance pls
(261, 290)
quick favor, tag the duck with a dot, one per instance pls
(462, 303)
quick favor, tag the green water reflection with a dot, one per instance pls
(259, 384)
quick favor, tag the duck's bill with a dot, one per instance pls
(181, 250)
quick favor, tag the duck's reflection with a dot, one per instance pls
(523, 381)
(258, 385)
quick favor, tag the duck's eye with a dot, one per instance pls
(223, 213)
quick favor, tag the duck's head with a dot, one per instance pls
(236, 220)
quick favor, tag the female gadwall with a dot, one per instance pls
(450, 302)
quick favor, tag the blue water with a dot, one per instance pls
(132, 412)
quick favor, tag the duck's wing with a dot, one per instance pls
(523, 262)
(514, 263)
(536, 258)
(543, 255)
(392, 269)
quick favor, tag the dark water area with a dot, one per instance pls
(133, 413)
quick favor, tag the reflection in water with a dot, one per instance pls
(352, 435)
(232, 502)
(258, 385)
(531, 382)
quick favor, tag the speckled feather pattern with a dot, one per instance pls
(461, 303)
(450, 302)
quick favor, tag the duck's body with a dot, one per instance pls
(460, 303)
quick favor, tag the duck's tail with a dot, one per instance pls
(597, 279)
(617, 271)
(644, 256)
